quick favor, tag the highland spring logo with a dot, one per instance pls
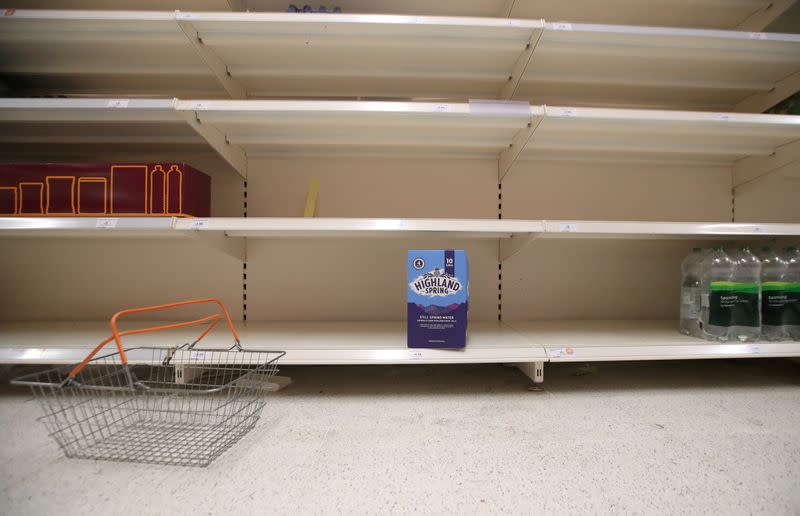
(435, 283)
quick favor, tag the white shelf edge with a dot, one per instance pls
(620, 340)
(625, 229)
(701, 350)
(300, 227)
(332, 343)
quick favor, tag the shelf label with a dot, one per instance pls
(198, 355)
(726, 118)
(757, 229)
(561, 26)
(566, 111)
(198, 224)
(520, 108)
(199, 106)
(560, 352)
(118, 103)
(568, 227)
(106, 223)
(758, 35)
(416, 354)
(754, 348)
(442, 108)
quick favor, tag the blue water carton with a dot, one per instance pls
(438, 291)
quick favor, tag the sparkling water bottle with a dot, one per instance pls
(773, 295)
(743, 296)
(717, 273)
(791, 310)
(691, 269)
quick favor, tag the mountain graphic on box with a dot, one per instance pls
(438, 310)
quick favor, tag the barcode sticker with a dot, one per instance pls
(106, 223)
(568, 227)
(416, 354)
(758, 35)
(118, 103)
(198, 224)
(561, 26)
(566, 111)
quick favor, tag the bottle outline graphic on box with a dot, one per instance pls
(89, 189)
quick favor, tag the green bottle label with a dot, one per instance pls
(791, 307)
(733, 303)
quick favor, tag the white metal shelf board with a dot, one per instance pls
(675, 13)
(278, 227)
(379, 56)
(665, 230)
(630, 66)
(310, 128)
(589, 341)
(87, 226)
(658, 136)
(304, 342)
(93, 123)
(388, 56)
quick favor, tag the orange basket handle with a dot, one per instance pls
(116, 335)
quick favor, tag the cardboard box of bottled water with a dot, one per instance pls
(438, 292)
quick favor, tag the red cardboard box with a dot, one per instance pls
(119, 189)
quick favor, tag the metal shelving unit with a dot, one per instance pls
(241, 55)
(532, 192)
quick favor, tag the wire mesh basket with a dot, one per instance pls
(167, 405)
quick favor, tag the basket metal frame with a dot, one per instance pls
(183, 406)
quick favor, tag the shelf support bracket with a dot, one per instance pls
(521, 66)
(217, 67)
(510, 155)
(232, 246)
(761, 102)
(234, 155)
(760, 19)
(533, 370)
(508, 8)
(511, 246)
(749, 169)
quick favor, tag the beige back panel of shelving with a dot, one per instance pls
(90, 279)
(600, 278)
(774, 197)
(363, 279)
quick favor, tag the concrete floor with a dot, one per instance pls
(710, 437)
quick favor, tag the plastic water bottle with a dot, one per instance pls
(791, 310)
(691, 269)
(773, 296)
(717, 273)
(307, 9)
(744, 297)
(322, 9)
(337, 10)
(292, 9)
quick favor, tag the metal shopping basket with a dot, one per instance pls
(166, 405)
